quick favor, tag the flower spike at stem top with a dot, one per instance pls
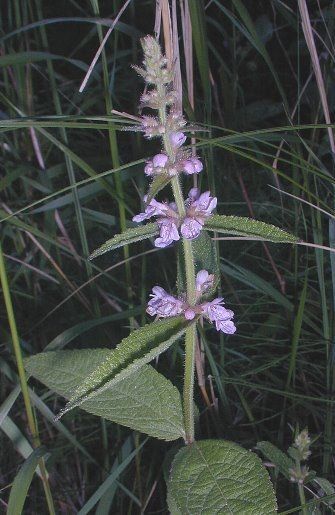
(180, 219)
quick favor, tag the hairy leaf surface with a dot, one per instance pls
(132, 235)
(243, 226)
(145, 401)
(140, 347)
(216, 477)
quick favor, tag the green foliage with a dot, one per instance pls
(22, 482)
(243, 226)
(216, 476)
(159, 182)
(140, 347)
(144, 401)
(277, 457)
(205, 258)
(138, 233)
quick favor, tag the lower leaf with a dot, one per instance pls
(216, 477)
(145, 401)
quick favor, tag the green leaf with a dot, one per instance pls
(205, 258)
(244, 226)
(277, 457)
(132, 235)
(136, 350)
(159, 182)
(145, 401)
(216, 477)
(22, 482)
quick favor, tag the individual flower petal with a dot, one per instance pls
(190, 228)
(203, 281)
(149, 169)
(154, 208)
(177, 139)
(160, 160)
(226, 327)
(193, 195)
(192, 165)
(168, 232)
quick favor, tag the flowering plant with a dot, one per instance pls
(107, 380)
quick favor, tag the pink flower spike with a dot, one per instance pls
(192, 165)
(190, 228)
(159, 160)
(203, 281)
(177, 139)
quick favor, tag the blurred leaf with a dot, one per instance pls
(132, 235)
(277, 457)
(22, 482)
(215, 476)
(326, 486)
(244, 226)
(159, 182)
(264, 28)
(145, 401)
(205, 258)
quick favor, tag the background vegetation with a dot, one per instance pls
(71, 179)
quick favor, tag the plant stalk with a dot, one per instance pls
(23, 379)
(188, 403)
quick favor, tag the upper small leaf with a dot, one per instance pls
(145, 401)
(132, 235)
(205, 258)
(159, 182)
(140, 347)
(213, 477)
(278, 457)
(243, 226)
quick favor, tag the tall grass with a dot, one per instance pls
(258, 78)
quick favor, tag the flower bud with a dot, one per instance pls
(177, 139)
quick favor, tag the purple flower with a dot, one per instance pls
(168, 232)
(198, 208)
(177, 139)
(192, 165)
(203, 281)
(222, 317)
(162, 304)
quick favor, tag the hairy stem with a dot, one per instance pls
(190, 290)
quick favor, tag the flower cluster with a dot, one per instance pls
(165, 305)
(198, 207)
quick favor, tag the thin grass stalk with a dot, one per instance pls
(23, 379)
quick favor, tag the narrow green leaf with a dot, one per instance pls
(22, 482)
(145, 401)
(277, 457)
(243, 226)
(218, 477)
(132, 235)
